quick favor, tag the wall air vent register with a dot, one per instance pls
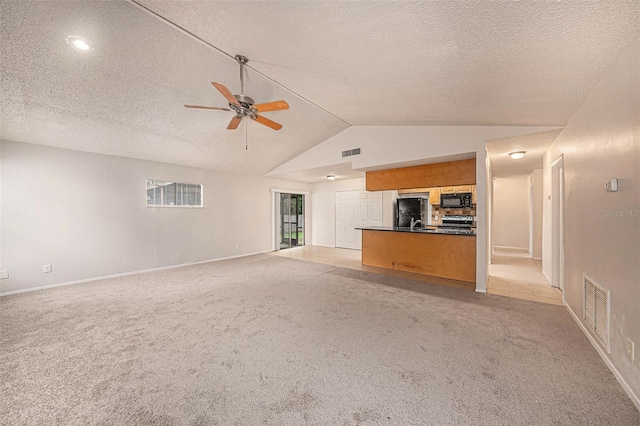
(350, 152)
(596, 313)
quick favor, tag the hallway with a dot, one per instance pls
(514, 274)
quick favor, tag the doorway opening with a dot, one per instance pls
(557, 223)
(291, 220)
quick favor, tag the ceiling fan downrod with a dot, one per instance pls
(241, 60)
(245, 101)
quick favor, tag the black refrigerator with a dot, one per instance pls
(407, 208)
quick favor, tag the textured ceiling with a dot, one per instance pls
(535, 144)
(423, 62)
(125, 98)
(359, 63)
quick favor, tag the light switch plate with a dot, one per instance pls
(4, 275)
(47, 269)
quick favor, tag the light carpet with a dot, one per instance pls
(270, 340)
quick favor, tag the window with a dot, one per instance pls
(172, 194)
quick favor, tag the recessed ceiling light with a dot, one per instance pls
(79, 43)
(517, 154)
(331, 177)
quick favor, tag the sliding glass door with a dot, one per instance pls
(291, 220)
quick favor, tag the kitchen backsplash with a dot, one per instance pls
(438, 211)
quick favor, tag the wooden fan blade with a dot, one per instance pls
(206, 107)
(226, 93)
(272, 106)
(260, 119)
(235, 121)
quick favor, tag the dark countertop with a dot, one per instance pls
(416, 230)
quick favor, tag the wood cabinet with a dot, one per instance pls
(461, 172)
(474, 198)
(413, 190)
(434, 196)
(438, 255)
(455, 189)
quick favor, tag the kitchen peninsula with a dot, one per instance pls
(447, 253)
(440, 253)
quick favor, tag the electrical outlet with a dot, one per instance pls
(631, 349)
(4, 275)
(47, 269)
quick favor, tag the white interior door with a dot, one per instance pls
(346, 219)
(370, 212)
(355, 209)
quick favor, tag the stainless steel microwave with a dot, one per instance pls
(455, 200)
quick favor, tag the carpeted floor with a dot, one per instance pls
(269, 340)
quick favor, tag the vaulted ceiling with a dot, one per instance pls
(336, 64)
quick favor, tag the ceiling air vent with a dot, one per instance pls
(596, 310)
(351, 152)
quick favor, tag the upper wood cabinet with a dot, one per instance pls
(413, 190)
(461, 172)
(455, 189)
(434, 196)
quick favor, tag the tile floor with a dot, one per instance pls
(352, 259)
(512, 273)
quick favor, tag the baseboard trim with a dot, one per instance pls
(323, 245)
(480, 290)
(126, 274)
(536, 258)
(634, 398)
(512, 248)
(517, 250)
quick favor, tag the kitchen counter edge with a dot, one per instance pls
(417, 230)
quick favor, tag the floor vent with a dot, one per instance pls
(596, 310)
(350, 152)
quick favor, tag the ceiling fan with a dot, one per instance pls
(243, 105)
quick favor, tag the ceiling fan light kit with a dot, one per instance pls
(244, 106)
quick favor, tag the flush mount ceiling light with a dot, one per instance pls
(331, 177)
(517, 154)
(79, 43)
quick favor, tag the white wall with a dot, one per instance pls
(86, 215)
(534, 182)
(323, 208)
(510, 213)
(602, 229)
(399, 146)
(489, 212)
